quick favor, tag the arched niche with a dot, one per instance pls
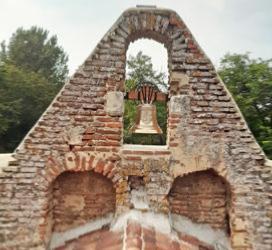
(79, 197)
(203, 197)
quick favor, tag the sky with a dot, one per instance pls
(219, 26)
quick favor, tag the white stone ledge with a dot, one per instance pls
(268, 163)
(139, 147)
(59, 238)
(203, 232)
(4, 160)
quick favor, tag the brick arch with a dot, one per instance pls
(79, 162)
(234, 224)
(55, 167)
(167, 28)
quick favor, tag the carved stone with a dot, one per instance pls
(73, 135)
(115, 103)
(179, 104)
(181, 78)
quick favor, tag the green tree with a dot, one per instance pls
(250, 82)
(24, 97)
(32, 70)
(34, 51)
(140, 68)
(9, 107)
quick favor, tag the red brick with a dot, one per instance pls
(171, 126)
(90, 130)
(113, 137)
(93, 137)
(175, 116)
(99, 166)
(114, 125)
(110, 240)
(112, 173)
(127, 152)
(133, 229)
(98, 124)
(83, 118)
(114, 157)
(133, 158)
(108, 131)
(174, 121)
(138, 152)
(98, 200)
(107, 143)
(106, 119)
(162, 152)
(102, 149)
(150, 245)
(109, 166)
(135, 242)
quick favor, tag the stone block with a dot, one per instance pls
(239, 240)
(115, 103)
(239, 224)
(179, 104)
(181, 78)
(73, 135)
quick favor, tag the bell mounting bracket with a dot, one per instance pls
(146, 93)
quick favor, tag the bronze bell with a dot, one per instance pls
(146, 120)
(146, 117)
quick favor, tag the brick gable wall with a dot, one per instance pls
(78, 133)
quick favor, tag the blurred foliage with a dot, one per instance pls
(250, 82)
(34, 51)
(140, 69)
(29, 80)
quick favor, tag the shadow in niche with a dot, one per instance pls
(203, 197)
(80, 197)
(200, 206)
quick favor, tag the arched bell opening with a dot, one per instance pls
(80, 202)
(145, 117)
(201, 201)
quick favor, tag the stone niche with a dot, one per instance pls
(202, 197)
(79, 197)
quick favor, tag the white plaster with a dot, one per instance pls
(58, 239)
(144, 147)
(182, 78)
(139, 198)
(73, 135)
(124, 239)
(160, 222)
(4, 160)
(115, 103)
(268, 163)
(146, 219)
(203, 232)
(179, 104)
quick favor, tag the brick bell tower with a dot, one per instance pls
(73, 184)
